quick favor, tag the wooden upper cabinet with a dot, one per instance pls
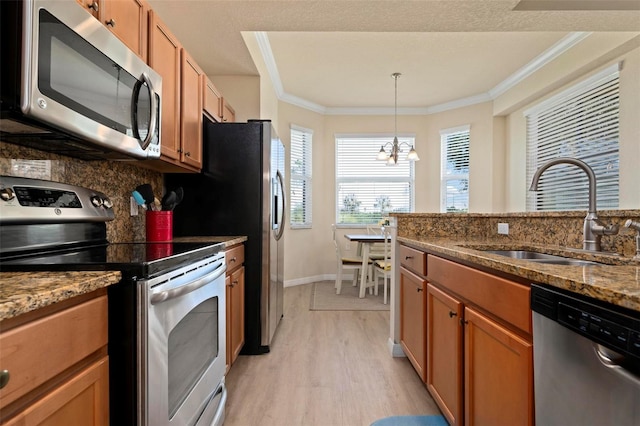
(191, 107)
(92, 6)
(228, 113)
(164, 58)
(212, 101)
(127, 19)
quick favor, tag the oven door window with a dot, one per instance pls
(75, 74)
(192, 347)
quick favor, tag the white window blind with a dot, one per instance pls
(300, 181)
(455, 170)
(581, 123)
(368, 189)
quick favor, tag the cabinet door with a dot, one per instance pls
(413, 319)
(444, 354)
(164, 58)
(237, 313)
(191, 112)
(212, 101)
(498, 374)
(127, 19)
(83, 400)
(228, 113)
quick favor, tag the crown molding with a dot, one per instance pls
(537, 63)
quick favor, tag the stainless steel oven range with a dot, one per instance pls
(167, 339)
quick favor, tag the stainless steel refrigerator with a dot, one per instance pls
(241, 192)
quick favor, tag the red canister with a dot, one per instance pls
(159, 225)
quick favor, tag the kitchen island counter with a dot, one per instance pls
(22, 292)
(616, 281)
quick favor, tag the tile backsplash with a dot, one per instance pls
(114, 178)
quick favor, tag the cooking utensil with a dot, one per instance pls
(147, 193)
(179, 196)
(139, 199)
(169, 200)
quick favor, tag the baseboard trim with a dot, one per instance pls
(309, 280)
(395, 349)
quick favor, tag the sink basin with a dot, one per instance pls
(534, 256)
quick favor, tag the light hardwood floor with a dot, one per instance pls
(325, 368)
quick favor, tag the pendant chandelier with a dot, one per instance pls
(392, 157)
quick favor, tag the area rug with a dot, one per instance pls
(324, 298)
(411, 421)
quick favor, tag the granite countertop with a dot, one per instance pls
(227, 240)
(617, 281)
(22, 292)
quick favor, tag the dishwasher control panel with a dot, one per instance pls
(612, 326)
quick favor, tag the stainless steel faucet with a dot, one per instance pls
(593, 229)
(635, 225)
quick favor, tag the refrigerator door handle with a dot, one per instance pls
(280, 229)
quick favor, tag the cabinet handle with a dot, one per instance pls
(93, 6)
(111, 23)
(452, 314)
(187, 154)
(233, 259)
(4, 378)
(463, 322)
(234, 283)
(408, 257)
(419, 289)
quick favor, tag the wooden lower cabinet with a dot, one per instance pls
(82, 400)
(444, 357)
(498, 373)
(479, 366)
(57, 362)
(235, 302)
(413, 319)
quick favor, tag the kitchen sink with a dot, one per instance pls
(537, 257)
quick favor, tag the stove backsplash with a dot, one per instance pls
(114, 178)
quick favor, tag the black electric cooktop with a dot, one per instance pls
(141, 260)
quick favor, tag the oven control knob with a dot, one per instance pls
(96, 201)
(106, 202)
(7, 194)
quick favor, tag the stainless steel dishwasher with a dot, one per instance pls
(586, 360)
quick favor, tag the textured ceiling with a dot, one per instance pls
(340, 54)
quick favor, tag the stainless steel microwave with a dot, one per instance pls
(70, 86)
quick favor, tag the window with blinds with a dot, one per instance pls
(455, 170)
(581, 122)
(368, 189)
(300, 180)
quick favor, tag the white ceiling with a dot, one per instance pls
(337, 56)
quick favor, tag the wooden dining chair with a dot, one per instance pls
(347, 263)
(382, 268)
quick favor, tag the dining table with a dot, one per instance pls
(365, 241)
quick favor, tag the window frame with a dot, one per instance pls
(373, 141)
(306, 178)
(445, 177)
(589, 129)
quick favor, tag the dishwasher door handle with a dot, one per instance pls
(613, 365)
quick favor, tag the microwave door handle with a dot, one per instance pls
(154, 111)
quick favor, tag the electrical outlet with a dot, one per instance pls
(133, 207)
(503, 228)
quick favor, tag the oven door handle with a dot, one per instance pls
(164, 295)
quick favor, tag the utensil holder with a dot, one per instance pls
(159, 225)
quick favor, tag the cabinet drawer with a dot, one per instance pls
(503, 298)
(413, 259)
(69, 336)
(235, 257)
